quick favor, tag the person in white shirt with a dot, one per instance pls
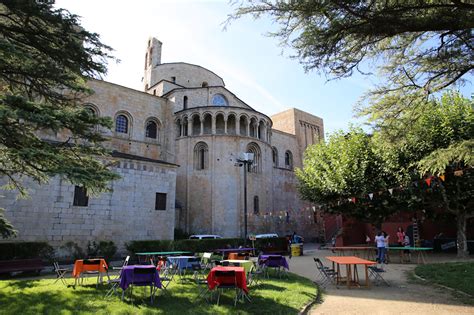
(380, 241)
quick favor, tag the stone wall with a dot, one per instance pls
(127, 213)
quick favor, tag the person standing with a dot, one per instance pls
(400, 236)
(380, 242)
(386, 241)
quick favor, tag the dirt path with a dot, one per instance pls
(401, 297)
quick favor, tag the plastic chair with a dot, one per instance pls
(143, 271)
(227, 280)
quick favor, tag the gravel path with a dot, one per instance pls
(401, 297)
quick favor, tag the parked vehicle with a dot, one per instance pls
(204, 236)
(267, 235)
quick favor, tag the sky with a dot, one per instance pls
(253, 66)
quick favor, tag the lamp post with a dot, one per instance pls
(245, 160)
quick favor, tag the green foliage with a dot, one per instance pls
(106, 249)
(347, 165)
(419, 47)
(73, 251)
(273, 296)
(6, 228)
(45, 60)
(204, 245)
(26, 250)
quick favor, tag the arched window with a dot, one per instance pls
(151, 130)
(256, 166)
(201, 156)
(121, 124)
(219, 100)
(185, 102)
(256, 206)
(204, 84)
(275, 156)
(288, 160)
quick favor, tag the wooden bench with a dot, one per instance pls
(16, 265)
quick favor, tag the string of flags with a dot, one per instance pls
(429, 181)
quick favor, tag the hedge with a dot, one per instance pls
(205, 245)
(26, 250)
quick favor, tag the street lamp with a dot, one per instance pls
(245, 160)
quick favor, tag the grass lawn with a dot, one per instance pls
(459, 276)
(272, 296)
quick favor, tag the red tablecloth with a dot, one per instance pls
(213, 281)
(80, 267)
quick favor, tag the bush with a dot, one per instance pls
(107, 249)
(205, 245)
(26, 250)
(73, 251)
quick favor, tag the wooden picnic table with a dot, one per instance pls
(352, 275)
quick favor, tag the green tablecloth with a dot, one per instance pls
(411, 248)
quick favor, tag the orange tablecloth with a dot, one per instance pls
(80, 267)
(236, 256)
(213, 281)
(352, 278)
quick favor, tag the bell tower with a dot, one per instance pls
(152, 60)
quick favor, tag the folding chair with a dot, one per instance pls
(143, 271)
(326, 275)
(375, 273)
(114, 282)
(92, 272)
(60, 273)
(254, 275)
(228, 280)
(206, 262)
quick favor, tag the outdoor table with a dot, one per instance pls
(277, 261)
(420, 251)
(352, 278)
(128, 277)
(183, 262)
(80, 267)
(225, 251)
(369, 251)
(149, 255)
(246, 264)
(213, 280)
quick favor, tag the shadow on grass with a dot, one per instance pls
(43, 296)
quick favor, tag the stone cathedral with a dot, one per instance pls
(175, 146)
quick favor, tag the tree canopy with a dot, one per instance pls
(45, 59)
(419, 46)
(344, 172)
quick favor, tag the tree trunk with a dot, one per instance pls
(461, 235)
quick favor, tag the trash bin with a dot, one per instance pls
(295, 250)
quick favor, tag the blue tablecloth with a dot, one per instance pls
(184, 262)
(128, 277)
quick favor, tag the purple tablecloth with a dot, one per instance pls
(128, 277)
(275, 261)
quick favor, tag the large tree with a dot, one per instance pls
(354, 165)
(419, 46)
(350, 174)
(45, 60)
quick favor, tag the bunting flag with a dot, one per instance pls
(458, 173)
(442, 177)
(390, 190)
(353, 199)
(428, 181)
(371, 195)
